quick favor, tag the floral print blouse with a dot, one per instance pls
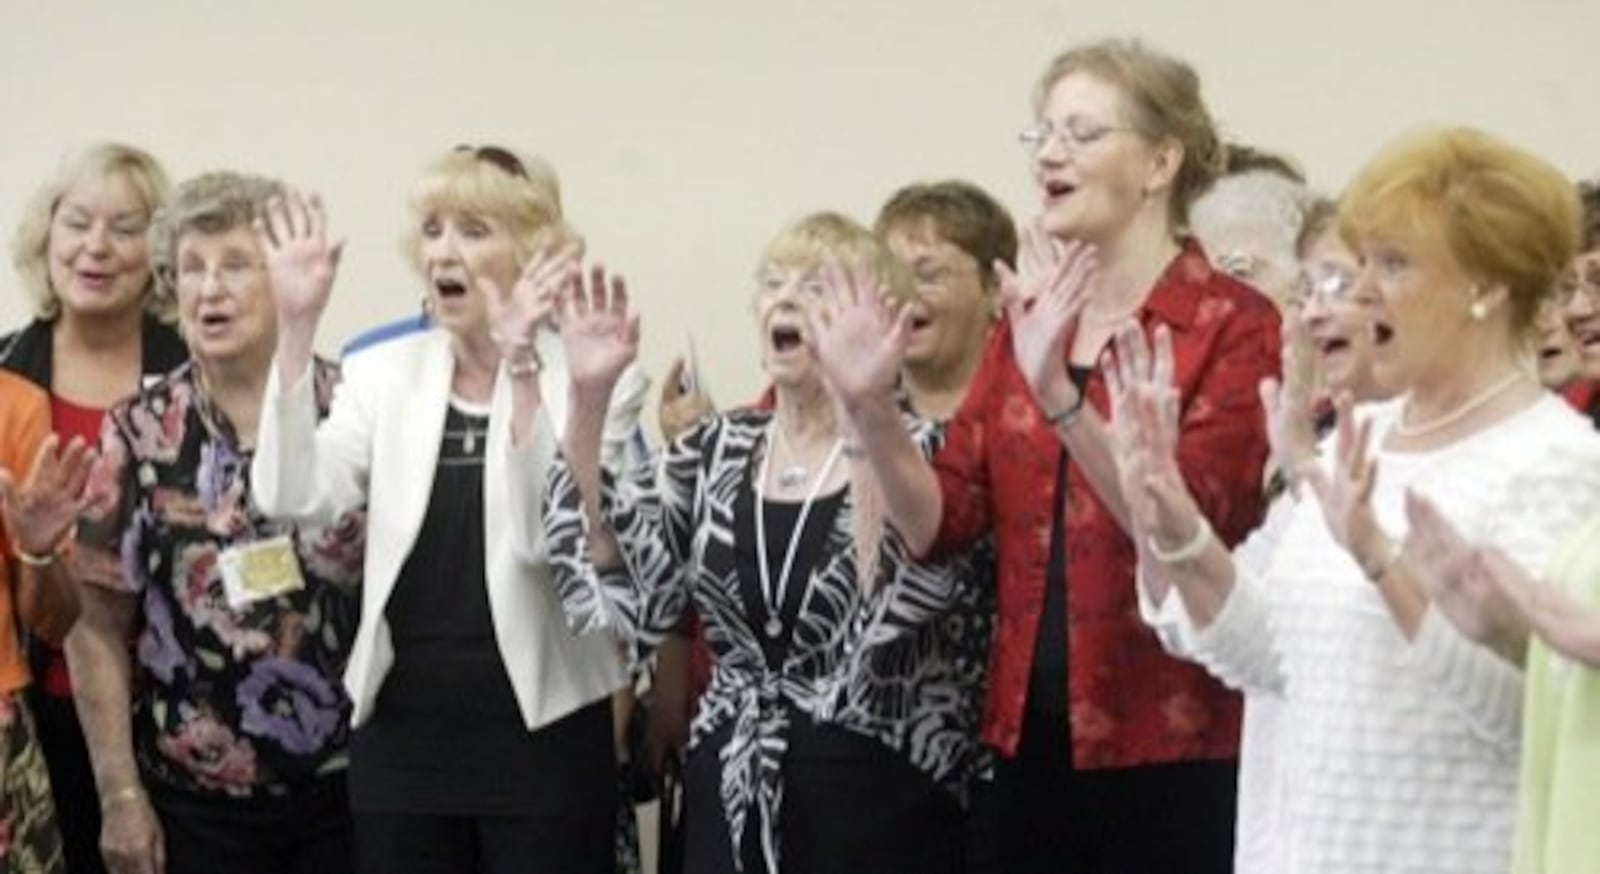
(239, 702)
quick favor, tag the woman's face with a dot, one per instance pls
(225, 305)
(1254, 253)
(951, 313)
(1580, 305)
(1421, 300)
(1558, 351)
(1338, 319)
(98, 256)
(461, 252)
(1092, 168)
(785, 295)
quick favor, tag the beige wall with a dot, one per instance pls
(687, 131)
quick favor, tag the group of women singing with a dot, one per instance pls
(1023, 527)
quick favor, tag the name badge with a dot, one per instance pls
(260, 570)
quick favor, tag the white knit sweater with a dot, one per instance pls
(1395, 756)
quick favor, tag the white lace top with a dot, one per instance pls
(1396, 755)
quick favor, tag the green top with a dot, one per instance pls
(1558, 826)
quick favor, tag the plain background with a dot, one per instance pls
(687, 132)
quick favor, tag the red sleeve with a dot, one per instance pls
(962, 463)
(1222, 440)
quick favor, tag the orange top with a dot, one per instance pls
(24, 423)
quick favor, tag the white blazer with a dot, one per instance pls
(379, 446)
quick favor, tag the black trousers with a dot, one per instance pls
(582, 842)
(1042, 816)
(71, 780)
(305, 833)
(850, 805)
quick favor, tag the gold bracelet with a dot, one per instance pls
(1390, 562)
(120, 796)
(44, 560)
(34, 559)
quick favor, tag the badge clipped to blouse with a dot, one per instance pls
(260, 570)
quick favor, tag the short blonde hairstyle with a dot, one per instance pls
(821, 237)
(30, 247)
(520, 191)
(1161, 95)
(211, 203)
(1505, 215)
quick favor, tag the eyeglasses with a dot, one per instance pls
(1572, 285)
(1074, 134)
(1325, 281)
(502, 159)
(234, 274)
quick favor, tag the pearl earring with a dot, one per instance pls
(1478, 311)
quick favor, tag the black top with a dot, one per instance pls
(30, 353)
(446, 736)
(1047, 684)
(781, 517)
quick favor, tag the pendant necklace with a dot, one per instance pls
(772, 597)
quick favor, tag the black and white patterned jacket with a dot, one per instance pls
(903, 663)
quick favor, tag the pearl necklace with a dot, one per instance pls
(1402, 429)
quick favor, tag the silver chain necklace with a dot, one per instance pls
(772, 597)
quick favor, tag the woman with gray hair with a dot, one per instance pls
(1249, 223)
(100, 327)
(232, 757)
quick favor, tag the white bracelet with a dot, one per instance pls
(1189, 551)
(1390, 561)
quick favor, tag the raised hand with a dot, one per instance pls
(1042, 300)
(516, 313)
(1291, 433)
(1144, 422)
(857, 335)
(40, 513)
(1458, 580)
(598, 331)
(301, 260)
(1345, 492)
(681, 407)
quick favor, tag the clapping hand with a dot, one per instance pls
(1042, 301)
(1144, 411)
(516, 313)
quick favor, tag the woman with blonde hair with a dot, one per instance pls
(1403, 732)
(101, 330)
(838, 731)
(483, 738)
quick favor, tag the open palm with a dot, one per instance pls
(301, 260)
(516, 313)
(1144, 422)
(1042, 300)
(599, 333)
(41, 511)
(857, 335)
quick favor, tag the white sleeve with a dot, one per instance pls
(308, 472)
(1539, 509)
(1177, 632)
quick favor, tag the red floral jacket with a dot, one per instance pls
(1130, 703)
